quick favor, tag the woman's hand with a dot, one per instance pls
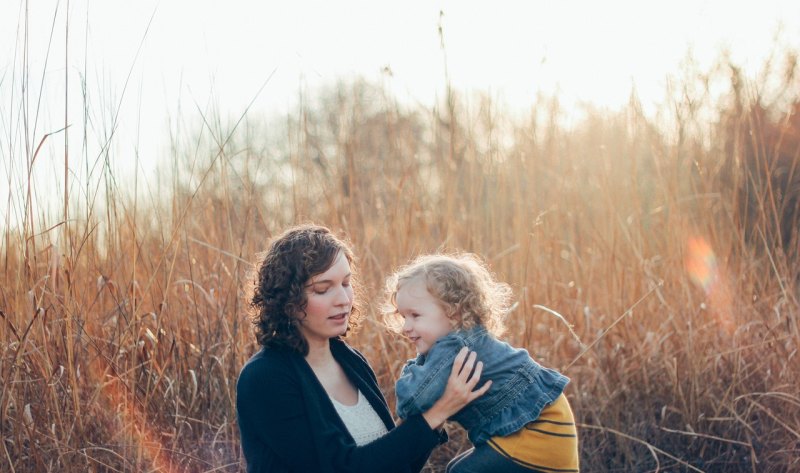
(460, 389)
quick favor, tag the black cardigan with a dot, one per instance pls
(288, 423)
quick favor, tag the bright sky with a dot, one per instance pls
(201, 50)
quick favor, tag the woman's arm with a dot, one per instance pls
(418, 430)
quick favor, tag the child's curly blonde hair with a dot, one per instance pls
(468, 292)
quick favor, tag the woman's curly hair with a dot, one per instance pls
(465, 287)
(281, 274)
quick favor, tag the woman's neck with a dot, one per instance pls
(319, 352)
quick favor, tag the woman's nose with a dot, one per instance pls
(343, 296)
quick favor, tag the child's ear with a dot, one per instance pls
(456, 320)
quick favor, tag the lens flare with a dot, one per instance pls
(704, 270)
(701, 264)
(117, 396)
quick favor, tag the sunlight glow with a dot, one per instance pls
(147, 70)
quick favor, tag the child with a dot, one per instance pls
(524, 422)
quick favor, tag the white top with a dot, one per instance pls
(361, 420)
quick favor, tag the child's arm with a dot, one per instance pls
(421, 384)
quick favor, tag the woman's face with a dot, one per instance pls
(330, 300)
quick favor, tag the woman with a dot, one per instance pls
(308, 402)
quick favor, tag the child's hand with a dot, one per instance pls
(460, 390)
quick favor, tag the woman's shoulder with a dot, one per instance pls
(266, 362)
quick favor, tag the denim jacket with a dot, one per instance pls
(520, 389)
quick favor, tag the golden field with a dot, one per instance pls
(654, 261)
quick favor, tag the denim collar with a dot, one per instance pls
(472, 334)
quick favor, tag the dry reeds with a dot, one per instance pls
(674, 262)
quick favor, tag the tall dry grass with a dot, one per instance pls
(670, 250)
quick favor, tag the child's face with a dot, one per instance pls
(424, 319)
